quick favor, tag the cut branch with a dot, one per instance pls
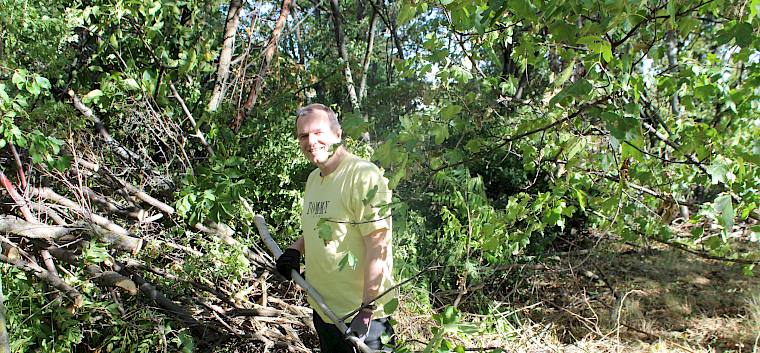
(140, 194)
(48, 277)
(17, 198)
(105, 278)
(14, 225)
(114, 233)
(119, 149)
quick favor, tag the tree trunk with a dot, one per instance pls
(673, 61)
(390, 24)
(301, 52)
(367, 55)
(223, 70)
(341, 43)
(269, 51)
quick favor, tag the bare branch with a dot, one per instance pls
(198, 132)
(48, 277)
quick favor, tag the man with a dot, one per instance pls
(346, 237)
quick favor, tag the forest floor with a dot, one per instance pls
(624, 298)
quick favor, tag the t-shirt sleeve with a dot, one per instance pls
(371, 200)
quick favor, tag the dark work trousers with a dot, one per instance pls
(331, 340)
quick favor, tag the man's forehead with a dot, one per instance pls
(315, 120)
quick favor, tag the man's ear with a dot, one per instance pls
(340, 135)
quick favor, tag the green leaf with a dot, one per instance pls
(523, 9)
(42, 82)
(440, 133)
(18, 79)
(396, 178)
(743, 34)
(474, 145)
(406, 12)
(748, 209)
(724, 209)
(717, 172)
(348, 260)
(92, 96)
(563, 31)
(131, 84)
(33, 88)
(3, 95)
(581, 196)
(564, 75)
(697, 232)
(450, 111)
(606, 50)
(713, 242)
(391, 306)
(324, 230)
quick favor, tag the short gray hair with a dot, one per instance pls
(334, 123)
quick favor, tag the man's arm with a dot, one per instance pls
(298, 245)
(376, 245)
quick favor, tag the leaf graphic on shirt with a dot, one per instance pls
(324, 230)
(349, 260)
(370, 196)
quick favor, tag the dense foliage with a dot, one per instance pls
(508, 129)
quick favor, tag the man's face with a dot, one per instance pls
(315, 136)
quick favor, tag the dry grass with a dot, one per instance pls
(625, 299)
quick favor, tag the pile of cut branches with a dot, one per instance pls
(93, 223)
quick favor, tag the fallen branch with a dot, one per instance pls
(14, 225)
(120, 150)
(17, 198)
(225, 233)
(169, 306)
(48, 277)
(105, 278)
(114, 233)
(140, 194)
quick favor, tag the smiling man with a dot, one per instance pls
(346, 238)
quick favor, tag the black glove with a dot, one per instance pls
(359, 326)
(287, 262)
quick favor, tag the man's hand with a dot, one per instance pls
(287, 262)
(359, 326)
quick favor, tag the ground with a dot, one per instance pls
(624, 298)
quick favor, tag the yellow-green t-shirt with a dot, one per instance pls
(346, 205)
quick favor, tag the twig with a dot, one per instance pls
(189, 115)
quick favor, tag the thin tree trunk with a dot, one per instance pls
(673, 61)
(223, 70)
(269, 51)
(341, 43)
(390, 24)
(299, 41)
(367, 55)
(301, 51)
